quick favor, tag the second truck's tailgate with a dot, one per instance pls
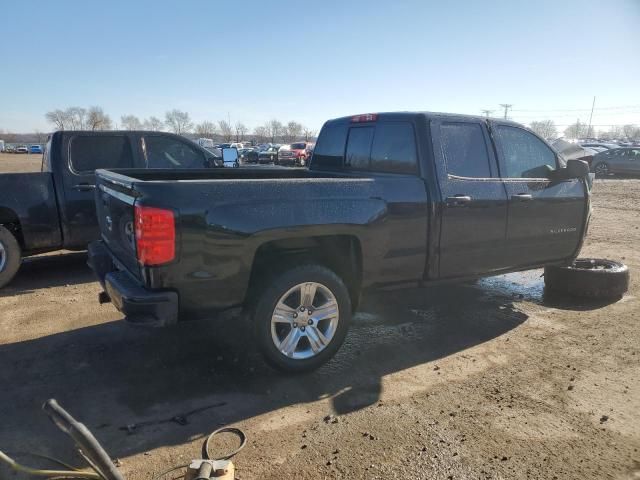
(116, 212)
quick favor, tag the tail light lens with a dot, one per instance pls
(155, 235)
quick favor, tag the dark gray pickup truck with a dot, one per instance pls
(389, 199)
(54, 209)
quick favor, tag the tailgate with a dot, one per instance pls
(115, 209)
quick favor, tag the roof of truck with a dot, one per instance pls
(429, 115)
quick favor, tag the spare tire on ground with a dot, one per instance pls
(589, 277)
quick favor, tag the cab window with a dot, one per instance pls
(90, 152)
(523, 154)
(464, 150)
(168, 152)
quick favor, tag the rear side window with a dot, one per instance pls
(465, 150)
(168, 152)
(394, 148)
(91, 152)
(329, 149)
(359, 148)
(524, 154)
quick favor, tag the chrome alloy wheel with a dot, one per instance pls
(304, 320)
(602, 169)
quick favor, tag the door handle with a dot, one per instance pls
(84, 187)
(523, 197)
(458, 200)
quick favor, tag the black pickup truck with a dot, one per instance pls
(55, 209)
(389, 199)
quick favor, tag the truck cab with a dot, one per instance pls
(55, 209)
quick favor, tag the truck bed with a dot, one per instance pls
(223, 217)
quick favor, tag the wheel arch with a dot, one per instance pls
(342, 254)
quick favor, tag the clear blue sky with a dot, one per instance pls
(309, 61)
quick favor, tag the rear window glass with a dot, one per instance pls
(359, 148)
(329, 149)
(91, 152)
(169, 152)
(394, 148)
(464, 150)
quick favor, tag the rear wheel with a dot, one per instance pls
(601, 169)
(10, 255)
(302, 317)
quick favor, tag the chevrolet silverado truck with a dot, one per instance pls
(55, 209)
(389, 200)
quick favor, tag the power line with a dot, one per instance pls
(506, 107)
(576, 109)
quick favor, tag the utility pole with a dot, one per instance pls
(591, 116)
(506, 107)
(487, 113)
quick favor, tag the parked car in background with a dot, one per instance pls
(35, 149)
(10, 149)
(389, 199)
(617, 160)
(55, 208)
(605, 145)
(22, 149)
(573, 151)
(295, 154)
(248, 155)
(270, 155)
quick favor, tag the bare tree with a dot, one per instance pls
(308, 133)
(241, 130)
(178, 121)
(206, 129)
(294, 131)
(545, 128)
(59, 118)
(130, 122)
(261, 133)
(275, 129)
(153, 123)
(632, 132)
(77, 117)
(576, 130)
(98, 120)
(225, 130)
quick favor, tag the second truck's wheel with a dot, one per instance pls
(301, 318)
(10, 256)
(601, 169)
(589, 277)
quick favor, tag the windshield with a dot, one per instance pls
(297, 146)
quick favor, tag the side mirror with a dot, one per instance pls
(229, 155)
(577, 169)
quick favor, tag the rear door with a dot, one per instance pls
(474, 203)
(545, 217)
(86, 153)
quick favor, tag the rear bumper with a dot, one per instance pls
(139, 305)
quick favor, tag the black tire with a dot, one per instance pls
(273, 288)
(10, 256)
(602, 169)
(594, 278)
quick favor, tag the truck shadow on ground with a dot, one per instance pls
(112, 375)
(45, 271)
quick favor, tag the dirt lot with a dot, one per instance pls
(12, 162)
(486, 380)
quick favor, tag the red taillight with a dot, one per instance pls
(155, 235)
(365, 117)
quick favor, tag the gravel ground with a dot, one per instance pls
(487, 380)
